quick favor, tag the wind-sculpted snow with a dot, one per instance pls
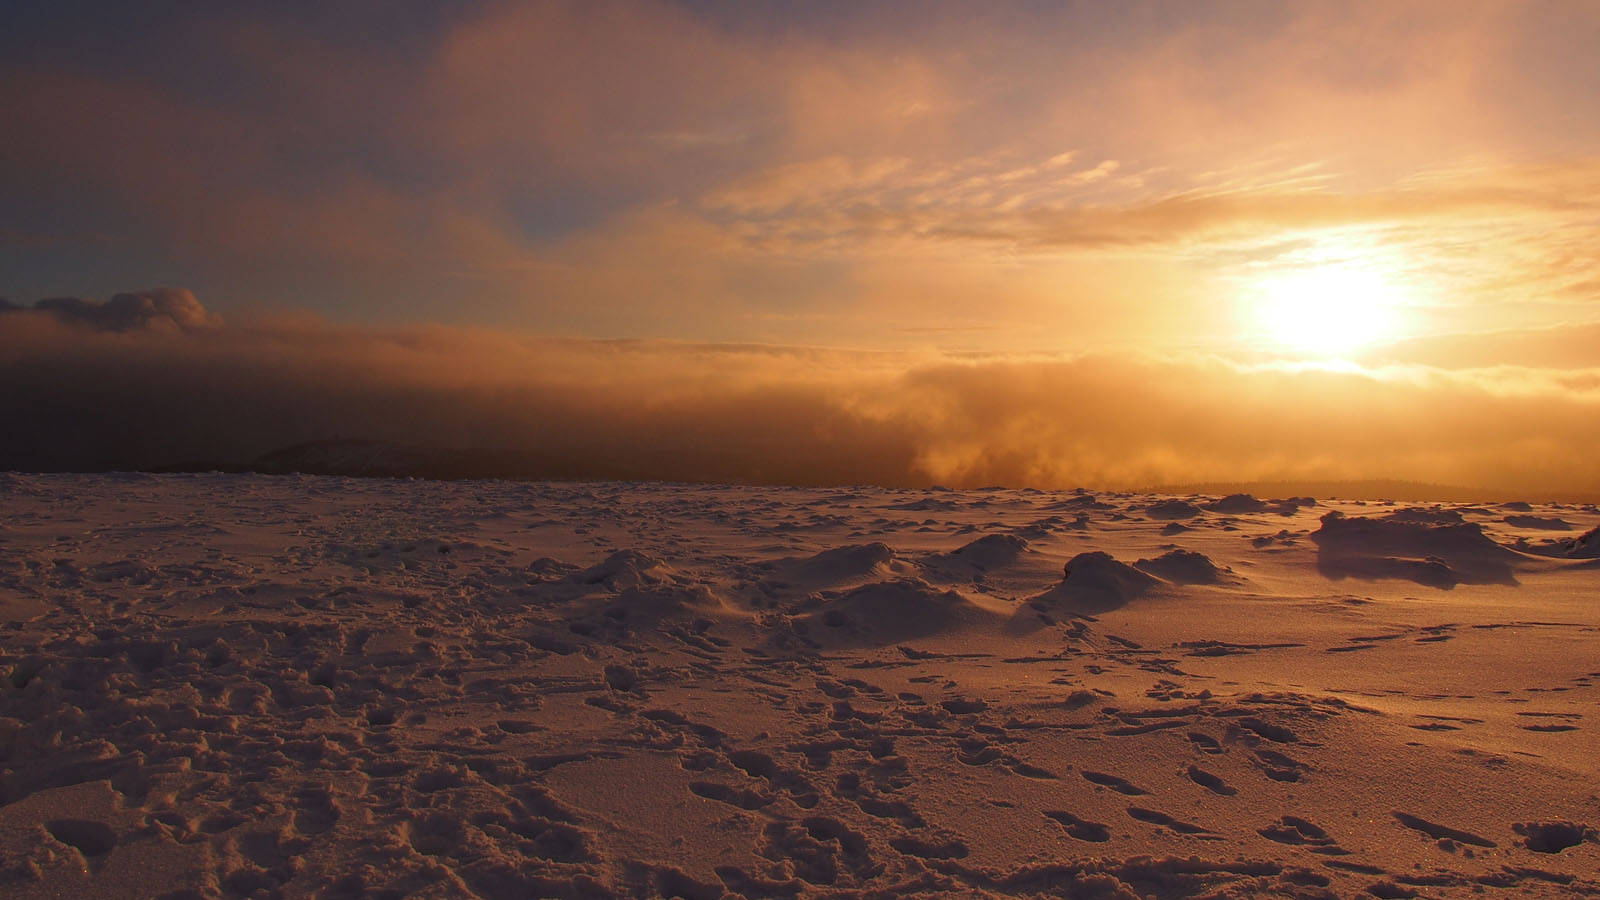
(1182, 567)
(1097, 579)
(1585, 546)
(842, 564)
(1172, 509)
(989, 552)
(276, 687)
(1436, 548)
(891, 612)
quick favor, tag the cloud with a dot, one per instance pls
(1568, 347)
(781, 414)
(1036, 208)
(157, 308)
(488, 162)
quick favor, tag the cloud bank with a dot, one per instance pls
(85, 396)
(154, 309)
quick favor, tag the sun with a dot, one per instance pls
(1328, 310)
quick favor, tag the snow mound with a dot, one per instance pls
(1237, 503)
(1584, 546)
(838, 564)
(926, 504)
(1426, 515)
(1098, 582)
(855, 559)
(1436, 555)
(990, 551)
(1172, 509)
(1079, 501)
(626, 569)
(662, 600)
(889, 611)
(1182, 567)
(635, 587)
(549, 568)
(1542, 523)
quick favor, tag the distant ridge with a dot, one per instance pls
(366, 458)
(360, 458)
(1372, 489)
(363, 458)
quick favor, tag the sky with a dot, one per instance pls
(1031, 243)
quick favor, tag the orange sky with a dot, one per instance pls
(1408, 192)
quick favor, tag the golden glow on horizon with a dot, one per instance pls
(1329, 309)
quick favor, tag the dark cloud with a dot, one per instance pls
(158, 308)
(82, 398)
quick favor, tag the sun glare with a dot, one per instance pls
(1327, 310)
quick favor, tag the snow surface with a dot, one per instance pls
(254, 686)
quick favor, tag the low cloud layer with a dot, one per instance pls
(83, 396)
(157, 308)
